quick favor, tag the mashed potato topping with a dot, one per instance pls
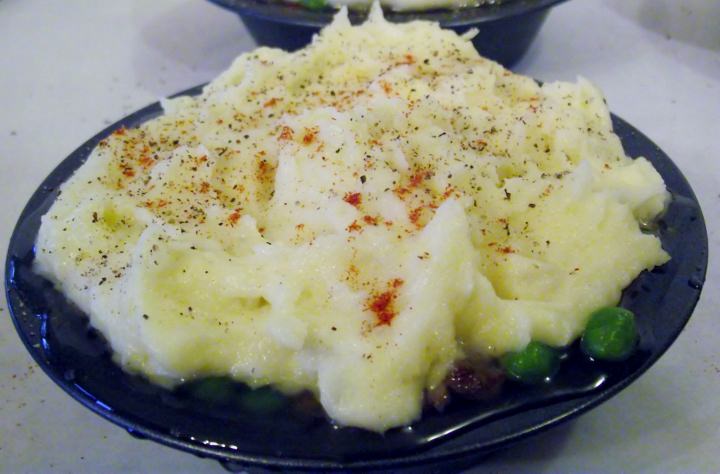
(351, 219)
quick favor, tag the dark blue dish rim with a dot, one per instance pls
(471, 16)
(663, 299)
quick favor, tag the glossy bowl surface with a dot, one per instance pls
(505, 30)
(77, 358)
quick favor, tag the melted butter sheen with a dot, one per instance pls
(352, 218)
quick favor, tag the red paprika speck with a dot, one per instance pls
(353, 199)
(416, 179)
(448, 192)
(233, 218)
(309, 136)
(354, 227)
(401, 191)
(146, 161)
(265, 170)
(286, 133)
(415, 214)
(382, 303)
(370, 220)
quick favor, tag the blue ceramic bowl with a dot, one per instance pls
(57, 335)
(505, 30)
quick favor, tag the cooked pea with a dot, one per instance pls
(214, 389)
(611, 334)
(313, 4)
(262, 400)
(532, 365)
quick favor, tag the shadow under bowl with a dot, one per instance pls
(505, 30)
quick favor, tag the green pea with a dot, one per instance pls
(262, 400)
(611, 334)
(532, 365)
(214, 389)
(313, 4)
